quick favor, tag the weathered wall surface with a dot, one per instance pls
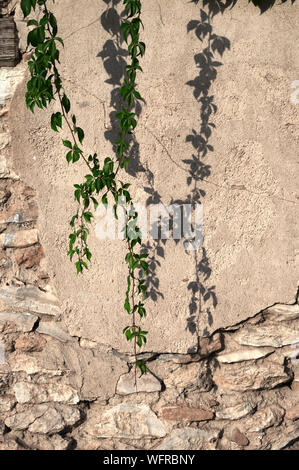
(61, 334)
(251, 197)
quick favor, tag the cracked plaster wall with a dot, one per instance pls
(55, 378)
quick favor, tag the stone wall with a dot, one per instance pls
(59, 390)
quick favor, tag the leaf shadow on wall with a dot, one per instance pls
(202, 294)
(114, 61)
(203, 297)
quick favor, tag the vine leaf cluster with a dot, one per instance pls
(101, 181)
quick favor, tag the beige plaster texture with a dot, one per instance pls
(248, 178)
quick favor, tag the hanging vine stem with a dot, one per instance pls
(43, 87)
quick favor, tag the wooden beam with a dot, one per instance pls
(8, 42)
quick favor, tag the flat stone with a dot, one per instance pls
(44, 419)
(87, 343)
(31, 365)
(124, 421)
(29, 257)
(4, 140)
(244, 355)
(236, 412)
(29, 343)
(239, 438)
(247, 376)
(131, 359)
(190, 376)
(191, 439)
(282, 312)
(4, 379)
(144, 383)
(279, 440)
(267, 334)
(291, 352)
(52, 392)
(20, 239)
(54, 330)
(2, 428)
(293, 413)
(184, 413)
(59, 443)
(3, 111)
(24, 321)
(89, 369)
(5, 172)
(21, 421)
(4, 196)
(32, 299)
(55, 420)
(11, 77)
(19, 212)
(9, 444)
(263, 419)
(208, 345)
(7, 403)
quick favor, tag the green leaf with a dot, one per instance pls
(53, 23)
(144, 265)
(88, 254)
(141, 365)
(137, 94)
(67, 144)
(84, 264)
(105, 201)
(76, 156)
(56, 121)
(33, 37)
(78, 265)
(80, 133)
(26, 7)
(128, 335)
(32, 23)
(66, 103)
(60, 40)
(77, 194)
(87, 216)
(69, 156)
(72, 222)
(141, 46)
(127, 306)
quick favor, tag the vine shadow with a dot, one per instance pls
(203, 295)
(114, 56)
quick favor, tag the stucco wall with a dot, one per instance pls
(250, 198)
(66, 380)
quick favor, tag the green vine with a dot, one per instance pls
(44, 86)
